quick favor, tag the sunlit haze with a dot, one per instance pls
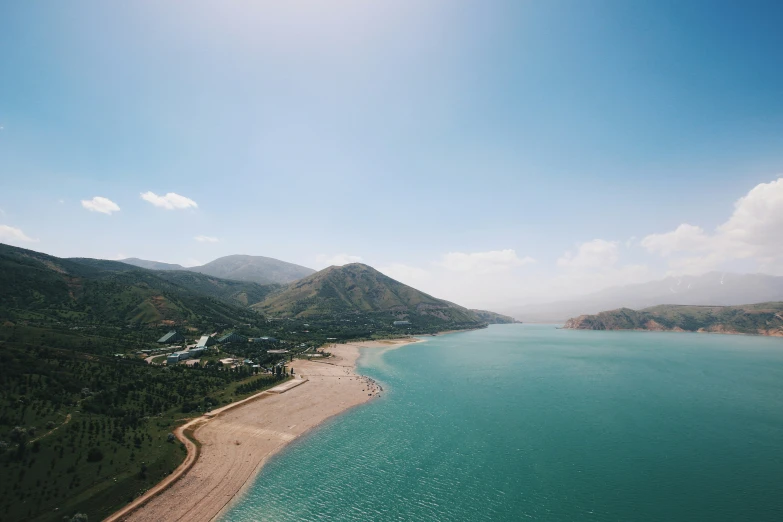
(488, 153)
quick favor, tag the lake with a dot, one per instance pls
(531, 422)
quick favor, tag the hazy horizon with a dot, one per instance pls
(488, 155)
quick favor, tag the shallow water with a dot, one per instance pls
(530, 422)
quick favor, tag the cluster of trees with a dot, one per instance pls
(261, 382)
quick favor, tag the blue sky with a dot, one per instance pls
(428, 139)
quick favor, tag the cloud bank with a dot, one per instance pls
(206, 239)
(753, 232)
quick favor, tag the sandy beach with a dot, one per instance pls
(236, 442)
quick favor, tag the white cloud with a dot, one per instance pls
(593, 266)
(684, 238)
(170, 201)
(409, 275)
(595, 254)
(483, 262)
(100, 204)
(191, 262)
(14, 235)
(324, 260)
(206, 239)
(754, 231)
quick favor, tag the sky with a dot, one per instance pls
(488, 152)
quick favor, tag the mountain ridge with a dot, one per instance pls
(44, 288)
(238, 267)
(754, 319)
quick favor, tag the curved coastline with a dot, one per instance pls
(233, 444)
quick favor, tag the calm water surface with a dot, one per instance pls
(529, 422)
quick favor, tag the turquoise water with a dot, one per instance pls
(529, 422)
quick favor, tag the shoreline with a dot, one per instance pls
(232, 444)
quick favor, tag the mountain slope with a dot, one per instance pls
(152, 265)
(714, 288)
(358, 288)
(45, 289)
(758, 319)
(493, 318)
(256, 269)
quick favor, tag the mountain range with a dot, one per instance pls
(45, 289)
(253, 269)
(714, 288)
(757, 319)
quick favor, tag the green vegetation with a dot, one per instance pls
(757, 319)
(39, 289)
(87, 433)
(338, 292)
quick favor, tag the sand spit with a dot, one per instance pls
(236, 441)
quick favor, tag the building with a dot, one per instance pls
(262, 340)
(233, 337)
(172, 337)
(176, 357)
(401, 323)
(205, 342)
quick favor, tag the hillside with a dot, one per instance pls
(494, 318)
(252, 269)
(714, 288)
(255, 269)
(151, 265)
(757, 319)
(46, 289)
(358, 288)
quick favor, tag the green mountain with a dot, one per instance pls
(358, 288)
(41, 288)
(494, 318)
(757, 319)
(254, 269)
(152, 265)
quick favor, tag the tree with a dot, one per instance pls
(94, 455)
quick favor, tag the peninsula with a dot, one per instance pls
(754, 319)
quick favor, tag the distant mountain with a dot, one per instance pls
(757, 319)
(256, 269)
(41, 288)
(358, 288)
(493, 318)
(714, 288)
(152, 265)
(253, 269)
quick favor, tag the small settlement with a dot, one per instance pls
(233, 349)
